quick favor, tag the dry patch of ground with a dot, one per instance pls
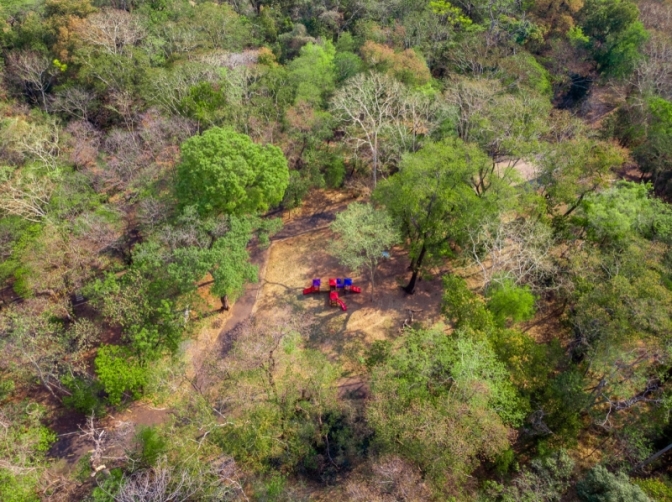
(294, 262)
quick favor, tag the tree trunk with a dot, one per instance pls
(410, 288)
(375, 161)
(373, 285)
(225, 302)
(653, 457)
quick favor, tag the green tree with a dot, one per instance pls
(653, 148)
(509, 302)
(214, 245)
(313, 73)
(571, 170)
(625, 211)
(433, 201)
(616, 35)
(443, 402)
(223, 171)
(364, 233)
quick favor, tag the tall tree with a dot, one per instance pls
(371, 107)
(223, 171)
(313, 73)
(433, 199)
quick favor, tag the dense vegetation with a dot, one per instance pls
(145, 145)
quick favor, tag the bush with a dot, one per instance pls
(658, 490)
(150, 445)
(546, 479)
(600, 485)
(6, 388)
(119, 372)
(83, 395)
(108, 488)
(509, 302)
(16, 488)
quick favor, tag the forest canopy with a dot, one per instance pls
(493, 176)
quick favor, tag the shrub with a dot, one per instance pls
(600, 485)
(658, 490)
(509, 302)
(150, 445)
(83, 395)
(119, 372)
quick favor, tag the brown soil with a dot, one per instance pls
(294, 262)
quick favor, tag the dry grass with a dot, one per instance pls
(292, 264)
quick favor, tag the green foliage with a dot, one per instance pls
(335, 172)
(150, 445)
(626, 210)
(454, 14)
(17, 488)
(505, 461)
(108, 487)
(378, 353)
(530, 363)
(205, 103)
(432, 198)
(546, 479)
(313, 73)
(24, 444)
(271, 489)
(522, 73)
(83, 395)
(464, 307)
(364, 234)
(651, 136)
(347, 64)
(223, 171)
(119, 373)
(570, 170)
(510, 303)
(600, 485)
(434, 392)
(616, 35)
(297, 402)
(655, 488)
(6, 389)
(232, 269)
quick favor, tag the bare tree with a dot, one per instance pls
(167, 483)
(372, 108)
(390, 479)
(26, 195)
(73, 101)
(507, 127)
(518, 250)
(112, 30)
(34, 71)
(654, 73)
(99, 439)
(31, 342)
(83, 143)
(170, 87)
(36, 142)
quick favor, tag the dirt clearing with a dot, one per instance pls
(294, 262)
